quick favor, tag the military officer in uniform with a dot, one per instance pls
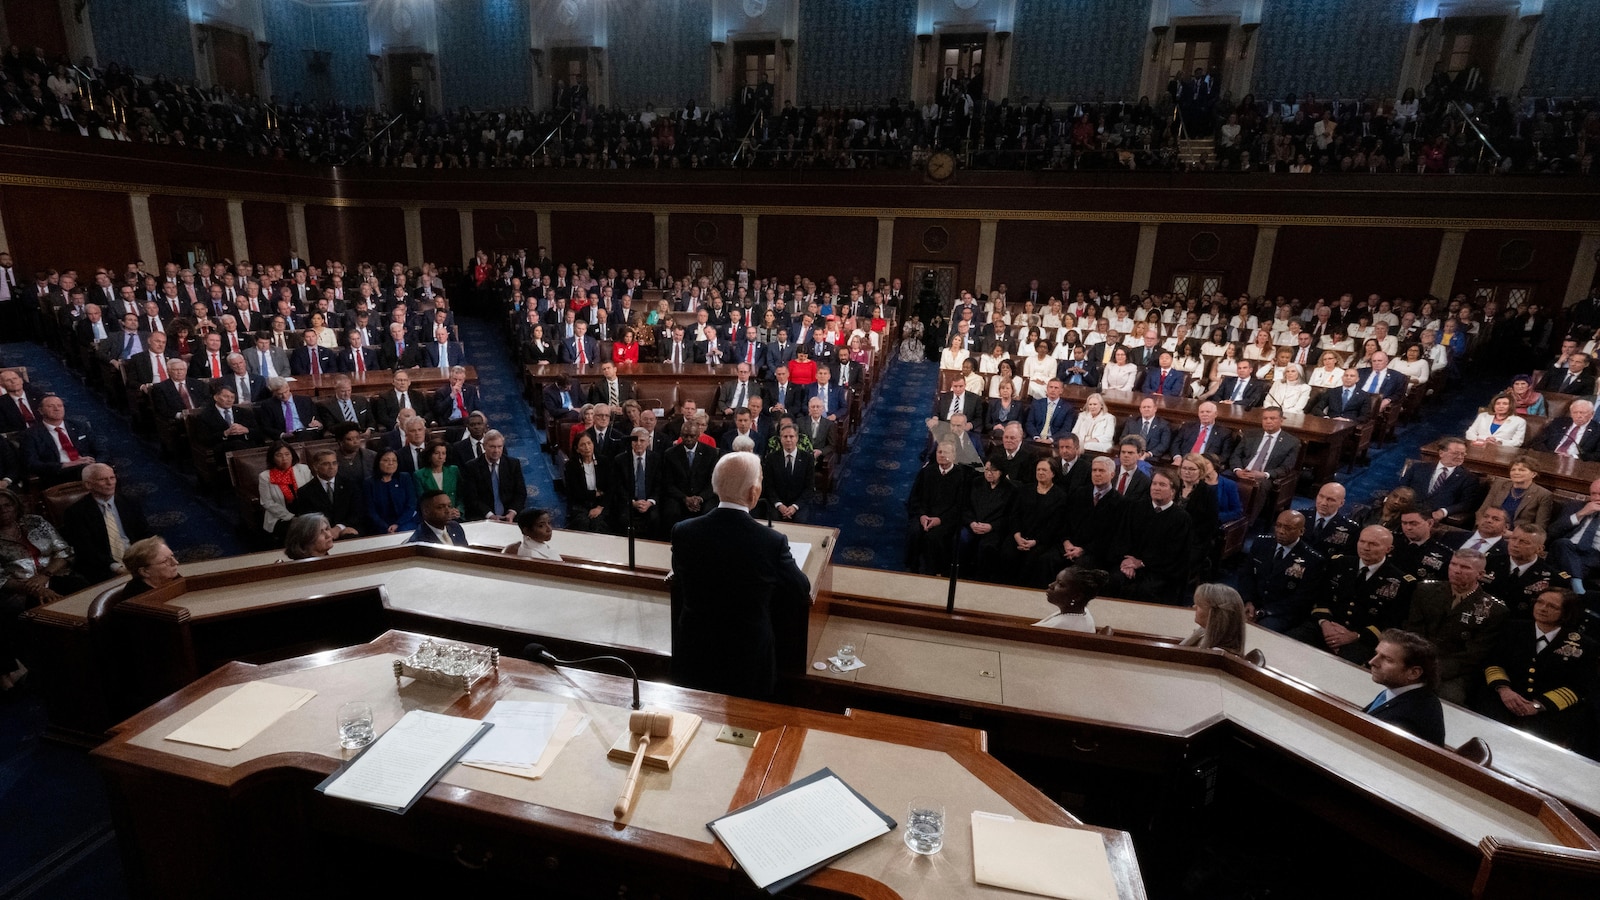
(1519, 577)
(1541, 671)
(1361, 594)
(1461, 619)
(1280, 575)
(1420, 553)
(1327, 531)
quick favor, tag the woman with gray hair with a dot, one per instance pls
(1219, 611)
(307, 536)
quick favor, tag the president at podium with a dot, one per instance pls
(732, 579)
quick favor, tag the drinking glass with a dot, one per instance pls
(846, 655)
(355, 725)
(925, 825)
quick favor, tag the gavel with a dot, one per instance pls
(648, 725)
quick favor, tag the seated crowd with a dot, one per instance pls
(1297, 134)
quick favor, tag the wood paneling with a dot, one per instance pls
(83, 230)
(183, 219)
(1177, 246)
(266, 227)
(934, 240)
(1545, 260)
(504, 230)
(441, 238)
(620, 239)
(714, 235)
(36, 23)
(1311, 263)
(374, 234)
(817, 246)
(1089, 254)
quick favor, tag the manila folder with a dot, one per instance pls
(1040, 859)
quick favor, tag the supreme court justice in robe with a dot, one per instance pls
(934, 509)
(1028, 554)
(986, 517)
(736, 591)
(1154, 563)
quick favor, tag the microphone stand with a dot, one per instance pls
(540, 653)
(631, 566)
(955, 572)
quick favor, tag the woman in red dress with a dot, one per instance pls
(626, 350)
(802, 369)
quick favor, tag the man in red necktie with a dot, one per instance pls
(55, 449)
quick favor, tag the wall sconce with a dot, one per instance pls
(1529, 23)
(538, 59)
(265, 48)
(1159, 32)
(1249, 31)
(1427, 25)
(788, 52)
(923, 40)
(1000, 38)
(717, 47)
(375, 62)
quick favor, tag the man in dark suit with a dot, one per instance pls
(19, 402)
(437, 526)
(1131, 477)
(1243, 390)
(780, 352)
(732, 395)
(957, 400)
(1205, 435)
(443, 354)
(285, 415)
(454, 402)
(610, 389)
(223, 427)
(1267, 454)
(354, 358)
(1575, 435)
(608, 441)
(470, 447)
(783, 395)
(637, 498)
(1576, 378)
(149, 367)
(934, 508)
(1572, 541)
(1162, 379)
(1408, 668)
(387, 405)
(311, 358)
(1279, 577)
(492, 486)
(687, 467)
(818, 429)
(1157, 434)
(1447, 487)
(1149, 568)
(1347, 402)
(1050, 416)
(580, 349)
(737, 595)
(102, 525)
(179, 392)
(1381, 381)
(836, 400)
(345, 406)
(713, 350)
(399, 351)
(247, 386)
(55, 448)
(750, 349)
(333, 495)
(1461, 619)
(786, 478)
(562, 400)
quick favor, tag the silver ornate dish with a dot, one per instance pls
(449, 665)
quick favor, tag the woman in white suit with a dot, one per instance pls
(1289, 393)
(1499, 424)
(1096, 427)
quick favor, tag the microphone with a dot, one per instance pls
(541, 653)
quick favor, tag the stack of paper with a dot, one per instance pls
(783, 837)
(242, 715)
(1069, 863)
(526, 738)
(399, 767)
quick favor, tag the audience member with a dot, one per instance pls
(1408, 668)
(1219, 614)
(537, 531)
(1070, 593)
(1461, 619)
(309, 536)
(1538, 676)
(391, 496)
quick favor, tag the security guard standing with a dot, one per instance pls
(1361, 596)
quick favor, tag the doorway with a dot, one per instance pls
(1469, 50)
(938, 278)
(36, 23)
(755, 78)
(190, 254)
(409, 77)
(961, 60)
(231, 66)
(1200, 47)
(569, 78)
(710, 265)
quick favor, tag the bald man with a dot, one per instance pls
(1361, 595)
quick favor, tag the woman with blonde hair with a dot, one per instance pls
(1219, 613)
(1096, 428)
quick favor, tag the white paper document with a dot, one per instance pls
(401, 763)
(798, 829)
(522, 730)
(242, 715)
(801, 552)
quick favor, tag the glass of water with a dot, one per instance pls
(846, 656)
(925, 825)
(355, 725)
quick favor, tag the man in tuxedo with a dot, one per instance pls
(286, 415)
(836, 400)
(636, 473)
(387, 405)
(1461, 619)
(247, 386)
(1242, 390)
(1279, 576)
(265, 360)
(54, 448)
(737, 595)
(687, 468)
(1050, 417)
(1204, 435)
(1575, 378)
(1162, 379)
(102, 525)
(345, 406)
(1575, 435)
(1154, 564)
(786, 478)
(19, 402)
(224, 427)
(1447, 487)
(180, 392)
(1267, 454)
(1381, 381)
(355, 358)
(1347, 402)
(1408, 668)
(610, 389)
(333, 495)
(492, 486)
(734, 394)
(438, 527)
(454, 402)
(1155, 432)
(783, 395)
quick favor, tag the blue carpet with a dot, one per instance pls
(500, 383)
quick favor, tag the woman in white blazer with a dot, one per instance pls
(276, 485)
(1096, 428)
(1499, 424)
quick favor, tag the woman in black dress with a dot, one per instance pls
(1036, 527)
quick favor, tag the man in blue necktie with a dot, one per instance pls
(1407, 666)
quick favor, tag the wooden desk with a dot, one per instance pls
(1322, 439)
(376, 381)
(1556, 471)
(653, 381)
(196, 822)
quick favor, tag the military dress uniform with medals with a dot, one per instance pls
(1338, 536)
(1518, 591)
(1429, 560)
(1558, 675)
(1282, 588)
(1364, 605)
